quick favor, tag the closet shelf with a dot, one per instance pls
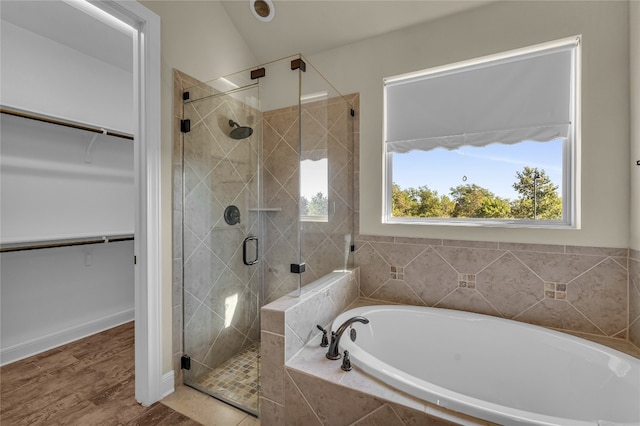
(62, 122)
(44, 244)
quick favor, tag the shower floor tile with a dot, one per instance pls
(236, 379)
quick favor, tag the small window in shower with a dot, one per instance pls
(314, 183)
(491, 141)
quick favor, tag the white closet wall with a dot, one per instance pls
(54, 187)
(44, 76)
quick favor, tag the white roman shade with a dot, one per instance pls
(507, 99)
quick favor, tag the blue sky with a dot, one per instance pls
(493, 167)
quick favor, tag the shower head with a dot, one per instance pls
(240, 132)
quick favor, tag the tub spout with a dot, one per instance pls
(333, 352)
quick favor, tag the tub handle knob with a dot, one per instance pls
(325, 341)
(346, 362)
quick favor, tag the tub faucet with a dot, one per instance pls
(333, 352)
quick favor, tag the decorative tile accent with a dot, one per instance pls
(555, 291)
(397, 273)
(467, 280)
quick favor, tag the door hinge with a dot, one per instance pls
(257, 73)
(298, 268)
(352, 112)
(135, 260)
(185, 362)
(185, 126)
(298, 64)
(185, 96)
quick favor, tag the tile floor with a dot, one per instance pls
(236, 379)
(207, 410)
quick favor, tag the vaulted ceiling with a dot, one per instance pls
(311, 26)
(298, 26)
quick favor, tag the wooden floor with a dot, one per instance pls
(87, 382)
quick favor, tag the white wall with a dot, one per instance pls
(46, 77)
(54, 187)
(49, 191)
(499, 27)
(199, 39)
(54, 296)
(634, 48)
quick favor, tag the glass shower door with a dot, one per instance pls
(221, 240)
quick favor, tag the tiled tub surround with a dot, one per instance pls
(289, 323)
(318, 392)
(571, 288)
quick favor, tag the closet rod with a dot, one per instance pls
(60, 122)
(65, 244)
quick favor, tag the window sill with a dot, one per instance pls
(481, 223)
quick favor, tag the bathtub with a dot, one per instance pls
(494, 369)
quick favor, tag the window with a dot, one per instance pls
(314, 198)
(489, 141)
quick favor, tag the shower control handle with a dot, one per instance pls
(244, 251)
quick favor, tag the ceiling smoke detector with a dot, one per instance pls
(263, 10)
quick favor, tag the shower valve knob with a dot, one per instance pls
(325, 341)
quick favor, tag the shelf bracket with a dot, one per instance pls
(87, 155)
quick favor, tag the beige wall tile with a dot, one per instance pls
(383, 416)
(598, 251)
(272, 367)
(470, 300)
(333, 404)
(271, 413)
(509, 286)
(397, 291)
(430, 276)
(558, 314)
(297, 409)
(560, 268)
(468, 260)
(548, 248)
(601, 294)
(470, 244)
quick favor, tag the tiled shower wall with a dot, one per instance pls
(218, 171)
(326, 127)
(221, 293)
(325, 246)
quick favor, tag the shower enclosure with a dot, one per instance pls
(267, 208)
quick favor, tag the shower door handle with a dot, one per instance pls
(244, 251)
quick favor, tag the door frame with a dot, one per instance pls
(149, 384)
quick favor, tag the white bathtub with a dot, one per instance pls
(494, 369)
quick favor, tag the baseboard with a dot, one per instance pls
(53, 340)
(167, 385)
